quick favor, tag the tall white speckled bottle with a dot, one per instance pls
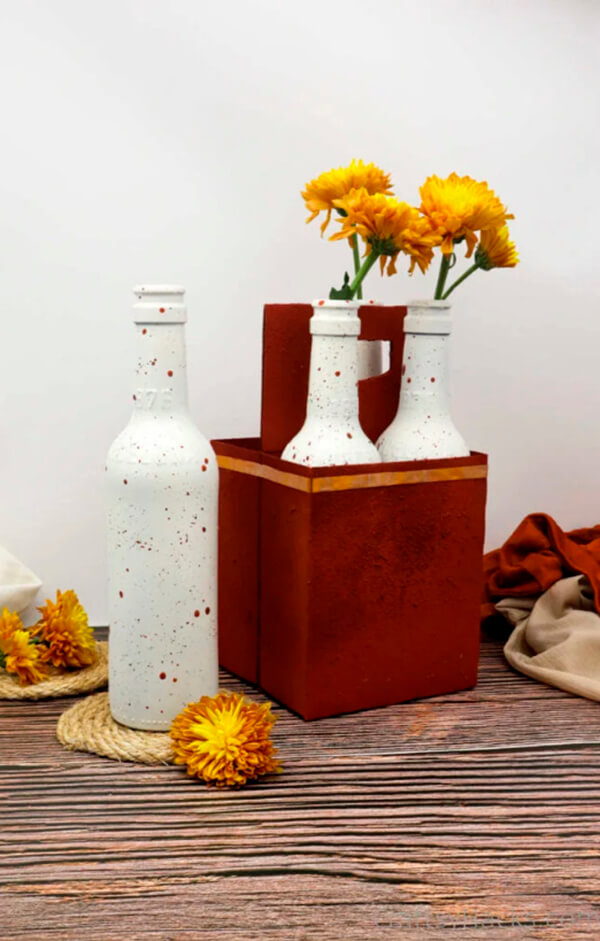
(331, 433)
(162, 481)
(423, 428)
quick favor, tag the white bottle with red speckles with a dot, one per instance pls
(423, 428)
(331, 433)
(162, 532)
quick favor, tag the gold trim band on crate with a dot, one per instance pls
(351, 481)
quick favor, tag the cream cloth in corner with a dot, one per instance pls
(18, 584)
(556, 637)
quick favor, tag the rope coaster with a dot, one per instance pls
(89, 726)
(60, 684)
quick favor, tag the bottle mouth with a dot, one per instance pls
(159, 303)
(325, 302)
(335, 318)
(151, 289)
(429, 304)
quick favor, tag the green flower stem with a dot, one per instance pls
(356, 256)
(460, 280)
(363, 272)
(441, 281)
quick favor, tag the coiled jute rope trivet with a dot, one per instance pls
(89, 726)
(60, 684)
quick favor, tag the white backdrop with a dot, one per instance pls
(147, 140)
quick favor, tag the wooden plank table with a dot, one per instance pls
(472, 815)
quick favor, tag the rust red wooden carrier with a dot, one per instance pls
(350, 587)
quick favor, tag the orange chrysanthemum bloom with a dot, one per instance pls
(495, 250)
(458, 207)
(387, 226)
(320, 194)
(68, 640)
(225, 739)
(17, 653)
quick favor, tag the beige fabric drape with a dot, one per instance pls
(18, 585)
(556, 636)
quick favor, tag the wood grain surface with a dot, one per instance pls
(472, 816)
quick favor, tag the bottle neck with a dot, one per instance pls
(333, 379)
(425, 370)
(160, 380)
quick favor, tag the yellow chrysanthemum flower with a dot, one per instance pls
(65, 630)
(225, 739)
(17, 653)
(495, 250)
(458, 207)
(320, 194)
(9, 623)
(387, 226)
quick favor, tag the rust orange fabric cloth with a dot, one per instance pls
(537, 555)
